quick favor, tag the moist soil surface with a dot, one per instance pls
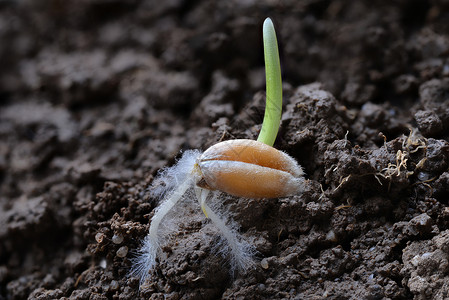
(97, 96)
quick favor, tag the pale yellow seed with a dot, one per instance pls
(248, 168)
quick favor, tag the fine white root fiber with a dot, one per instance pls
(241, 253)
(177, 179)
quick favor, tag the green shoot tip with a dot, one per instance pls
(273, 109)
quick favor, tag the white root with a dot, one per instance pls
(146, 256)
(242, 253)
(166, 206)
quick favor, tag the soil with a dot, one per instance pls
(96, 96)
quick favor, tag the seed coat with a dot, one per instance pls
(251, 169)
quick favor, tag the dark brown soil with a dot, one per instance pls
(97, 95)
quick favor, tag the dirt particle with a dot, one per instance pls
(117, 239)
(428, 123)
(122, 251)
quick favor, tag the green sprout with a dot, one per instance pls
(273, 110)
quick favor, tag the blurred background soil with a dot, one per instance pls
(97, 95)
